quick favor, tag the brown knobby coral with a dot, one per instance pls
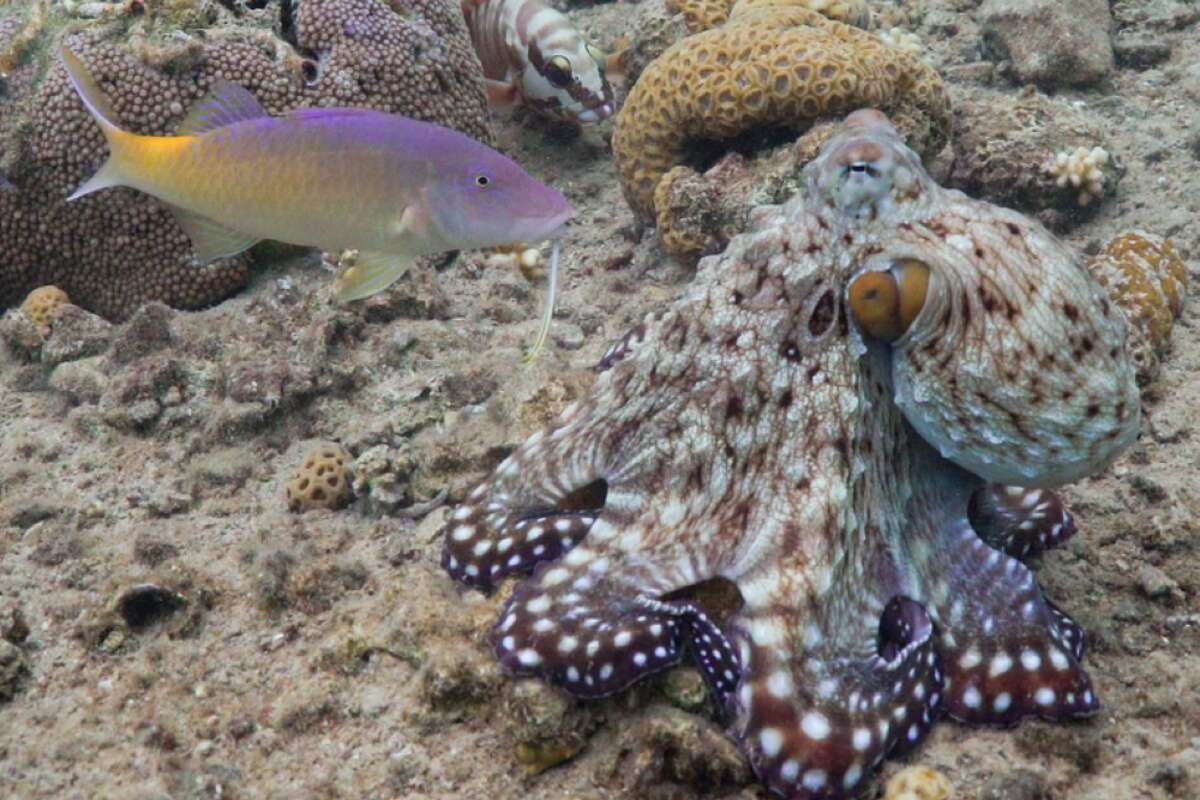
(775, 64)
(43, 305)
(323, 480)
(116, 250)
(1148, 280)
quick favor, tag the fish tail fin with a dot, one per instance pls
(120, 141)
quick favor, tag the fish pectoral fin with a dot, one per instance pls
(500, 95)
(226, 104)
(370, 274)
(211, 239)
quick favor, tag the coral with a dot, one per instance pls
(1080, 169)
(1149, 281)
(44, 304)
(119, 249)
(700, 15)
(323, 480)
(1005, 148)
(770, 66)
(918, 783)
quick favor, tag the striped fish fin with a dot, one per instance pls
(226, 104)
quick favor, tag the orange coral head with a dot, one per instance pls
(885, 303)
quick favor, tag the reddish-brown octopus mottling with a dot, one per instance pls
(854, 415)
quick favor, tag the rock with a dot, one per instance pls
(1052, 43)
(82, 381)
(1004, 149)
(548, 726)
(13, 626)
(76, 334)
(1019, 784)
(1155, 583)
(13, 669)
(1140, 51)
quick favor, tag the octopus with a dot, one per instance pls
(856, 415)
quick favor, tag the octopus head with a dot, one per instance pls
(1006, 354)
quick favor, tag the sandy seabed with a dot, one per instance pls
(326, 655)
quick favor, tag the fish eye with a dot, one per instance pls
(597, 56)
(482, 181)
(558, 71)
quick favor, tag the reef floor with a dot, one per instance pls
(170, 629)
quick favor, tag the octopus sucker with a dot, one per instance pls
(870, 469)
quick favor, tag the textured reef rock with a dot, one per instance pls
(1003, 146)
(771, 66)
(116, 250)
(847, 417)
(1052, 43)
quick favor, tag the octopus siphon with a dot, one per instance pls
(855, 414)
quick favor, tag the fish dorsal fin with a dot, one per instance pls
(371, 274)
(211, 239)
(226, 104)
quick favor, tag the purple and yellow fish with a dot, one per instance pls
(335, 178)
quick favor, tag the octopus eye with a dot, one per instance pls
(558, 71)
(885, 303)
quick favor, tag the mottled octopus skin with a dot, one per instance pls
(749, 431)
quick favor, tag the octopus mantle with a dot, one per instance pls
(872, 498)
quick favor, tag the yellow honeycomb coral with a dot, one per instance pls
(700, 15)
(918, 783)
(775, 64)
(44, 304)
(1149, 281)
(323, 480)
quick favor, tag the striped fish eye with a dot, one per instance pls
(597, 56)
(558, 71)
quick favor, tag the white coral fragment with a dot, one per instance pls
(1082, 169)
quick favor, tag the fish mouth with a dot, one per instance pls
(598, 114)
(556, 226)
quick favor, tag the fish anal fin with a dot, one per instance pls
(500, 95)
(370, 274)
(226, 104)
(211, 239)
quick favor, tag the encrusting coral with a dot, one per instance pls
(774, 65)
(323, 480)
(116, 250)
(44, 304)
(1148, 280)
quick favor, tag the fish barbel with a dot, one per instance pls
(335, 178)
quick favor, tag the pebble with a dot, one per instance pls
(1051, 43)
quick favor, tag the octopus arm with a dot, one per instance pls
(1008, 653)
(1021, 522)
(815, 720)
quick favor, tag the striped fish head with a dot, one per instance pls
(489, 200)
(564, 78)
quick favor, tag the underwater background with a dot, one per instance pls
(185, 612)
